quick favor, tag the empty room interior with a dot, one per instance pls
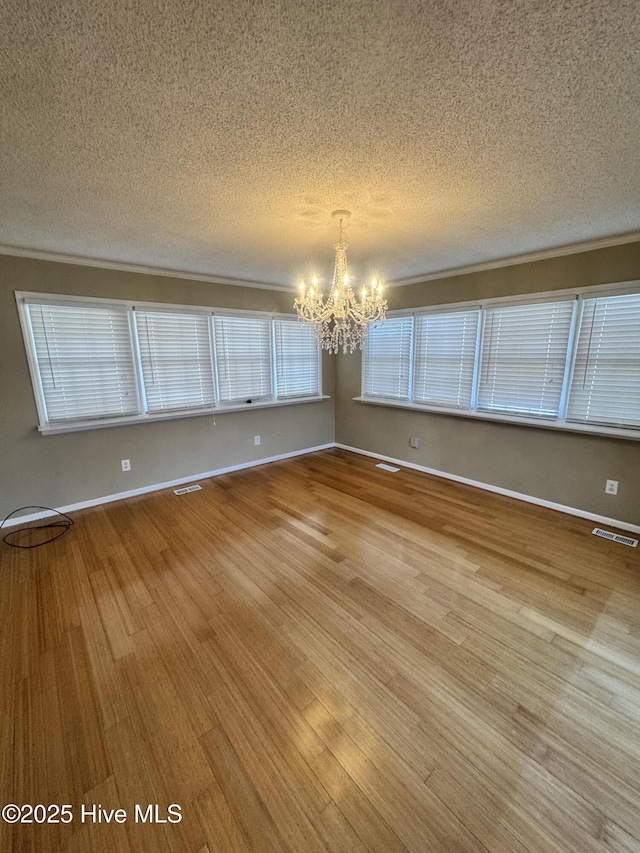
(319, 426)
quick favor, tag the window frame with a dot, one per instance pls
(137, 316)
(277, 362)
(476, 358)
(268, 353)
(409, 382)
(580, 326)
(25, 298)
(482, 365)
(560, 423)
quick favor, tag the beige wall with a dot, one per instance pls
(566, 468)
(58, 470)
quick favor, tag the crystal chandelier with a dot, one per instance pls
(340, 320)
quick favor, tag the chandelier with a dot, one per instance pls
(340, 320)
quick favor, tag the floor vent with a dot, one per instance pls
(387, 467)
(186, 490)
(615, 537)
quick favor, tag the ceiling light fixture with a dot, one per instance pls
(341, 320)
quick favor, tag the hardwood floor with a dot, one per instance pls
(319, 655)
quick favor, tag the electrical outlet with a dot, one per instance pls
(612, 487)
(414, 442)
(256, 439)
(126, 464)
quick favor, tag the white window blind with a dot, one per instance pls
(605, 388)
(387, 358)
(524, 353)
(445, 351)
(175, 353)
(243, 358)
(84, 361)
(297, 359)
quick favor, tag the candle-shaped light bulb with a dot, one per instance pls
(374, 283)
(314, 281)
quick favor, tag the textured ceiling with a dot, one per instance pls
(218, 136)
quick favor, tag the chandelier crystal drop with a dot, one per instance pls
(341, 319)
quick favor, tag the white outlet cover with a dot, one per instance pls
(256, 439)
(612, 487)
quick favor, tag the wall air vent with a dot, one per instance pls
(615, 537)
(186, 490)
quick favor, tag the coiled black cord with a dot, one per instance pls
(62, 524)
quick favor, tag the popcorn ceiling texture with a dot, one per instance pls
(218, 136)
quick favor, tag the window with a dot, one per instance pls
(524, 353)
(445, 353)
(243, 357)
(386, 365)
(605, 387)
(95, 363)
(175, 354)
(84, 361)
(296, 359)
(569, 361)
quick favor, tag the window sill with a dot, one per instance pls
(81, 426)
(562, 426)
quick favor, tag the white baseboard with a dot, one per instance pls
(570, 510)
(143, 490)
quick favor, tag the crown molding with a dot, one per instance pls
(514, 260)
(100, 263)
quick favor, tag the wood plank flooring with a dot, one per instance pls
(319, 655)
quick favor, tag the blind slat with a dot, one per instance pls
(243, 357)
(175, 352)
(387, 356)
(524, 352)
(444, 358)
(297, 359)
(84, 360)
(605, 387)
